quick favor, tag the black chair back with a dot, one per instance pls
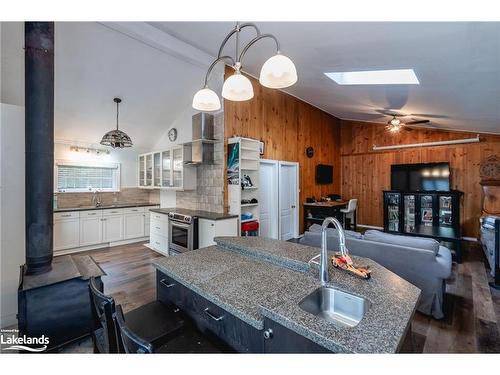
(131, 343)
(103, 309)
(334, 197)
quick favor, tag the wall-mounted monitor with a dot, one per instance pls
(421, 177)
(324, 174)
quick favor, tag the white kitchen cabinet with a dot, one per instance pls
(101, 227)
(90, 227)
(158, 232)
(166, 169)
(112, 228)
(66, 231)
(208, 229)
(133, 225)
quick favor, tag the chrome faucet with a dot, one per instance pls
(96, 198)
(323, 263)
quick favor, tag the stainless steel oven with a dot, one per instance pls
(182, 233)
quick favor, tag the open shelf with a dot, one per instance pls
(248, 220)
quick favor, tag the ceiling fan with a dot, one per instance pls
(395, 124)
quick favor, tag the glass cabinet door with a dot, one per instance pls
(177, 166)
(393, 200)
(166, 166)
(426, 210)
(149, 170)
(142, 171)
(445, 212)
(409, 213)
(157, 169)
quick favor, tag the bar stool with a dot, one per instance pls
(155, 322)
(350, 213)
(190, 340)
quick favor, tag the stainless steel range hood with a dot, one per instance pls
(202, 146)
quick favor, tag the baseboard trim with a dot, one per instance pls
(98, 246)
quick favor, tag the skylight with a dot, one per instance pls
(375, 77)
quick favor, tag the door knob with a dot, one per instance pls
(293, 206)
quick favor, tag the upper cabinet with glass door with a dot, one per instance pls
(166, 169)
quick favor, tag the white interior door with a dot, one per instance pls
(268, 199)
(288, 200)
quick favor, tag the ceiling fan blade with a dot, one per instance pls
(430, 115)
(417, 122)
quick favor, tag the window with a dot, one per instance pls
(71, 177)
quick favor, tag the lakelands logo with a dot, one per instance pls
(11, 339)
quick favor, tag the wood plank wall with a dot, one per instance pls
(288, 126)
(365, 173)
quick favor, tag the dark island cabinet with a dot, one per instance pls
(211, 319)
(279, 339)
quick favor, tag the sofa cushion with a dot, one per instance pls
(407, 241)
(332, 231)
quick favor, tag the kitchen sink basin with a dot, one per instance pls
(335, 306)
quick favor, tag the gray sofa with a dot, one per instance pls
(421, 261)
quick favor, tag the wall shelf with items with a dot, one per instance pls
(166, 169)
(243, 165)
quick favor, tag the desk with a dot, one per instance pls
(317, 212)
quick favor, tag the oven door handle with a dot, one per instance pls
(164, 282)
(178, 224)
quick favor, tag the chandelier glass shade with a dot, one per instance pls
(277, 72)
(237, 88)
(206, 100)
(116, 138)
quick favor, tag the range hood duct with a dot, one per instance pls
(202, 146)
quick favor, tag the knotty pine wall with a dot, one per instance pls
(365, 173)
(288, 126)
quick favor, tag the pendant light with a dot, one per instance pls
(116, 138)
(277, 72)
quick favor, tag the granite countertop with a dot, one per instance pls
(195, 213)
(253, 278)
(118, 205)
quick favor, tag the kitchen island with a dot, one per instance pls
(247, 291)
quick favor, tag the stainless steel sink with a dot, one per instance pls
(335, 306)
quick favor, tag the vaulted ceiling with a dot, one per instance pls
(156, 68)
(458, 65)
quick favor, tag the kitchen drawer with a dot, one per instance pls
(167, 289)
(112, 211)
(211, 318)
(157, 216)
(159, 227)
(160, 243)
(133, 210)
(66, 215)
(92, 213)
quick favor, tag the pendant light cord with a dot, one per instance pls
(117, 111)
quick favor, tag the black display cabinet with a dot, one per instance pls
(433, 214)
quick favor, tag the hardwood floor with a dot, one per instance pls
(472, 308)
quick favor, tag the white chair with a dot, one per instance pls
(350, 213)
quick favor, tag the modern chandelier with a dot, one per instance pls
(277, 72)
(116, 138)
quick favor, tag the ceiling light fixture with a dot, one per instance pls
(116, 138)
(375, 77)
(395, 124)
(277, 72)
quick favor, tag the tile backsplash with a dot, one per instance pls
(209, 195)
(126, 195)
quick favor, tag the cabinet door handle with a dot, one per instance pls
(268, 334)
(212, 316)
(158, 228)
(69, 215)
(164, 282)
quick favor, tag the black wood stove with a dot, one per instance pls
(53, 294)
